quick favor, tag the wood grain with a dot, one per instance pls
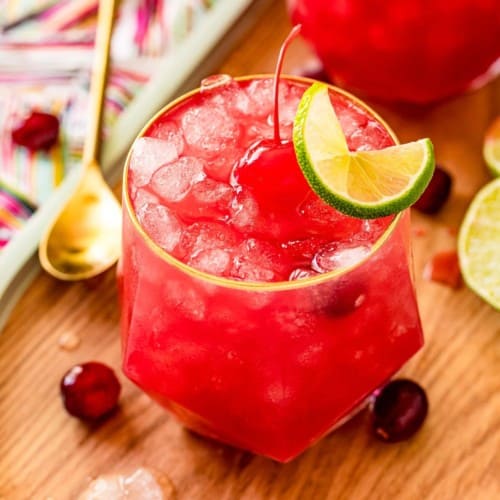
(45, 454)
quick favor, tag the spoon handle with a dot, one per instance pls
(98, 80)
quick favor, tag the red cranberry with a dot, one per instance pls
(345, 298)
(399, 410)
(40, 131)
(436, 193)
(90, 391)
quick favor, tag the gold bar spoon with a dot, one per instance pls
(85, 238)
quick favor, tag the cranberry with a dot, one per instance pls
(346, 296)
(40, 131)
(399, 410)
(436, 193)
(90, 391)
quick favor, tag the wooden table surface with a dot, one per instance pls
(46, 454)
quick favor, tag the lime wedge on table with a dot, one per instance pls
(479, 244)
(491, 147)
(365, 184)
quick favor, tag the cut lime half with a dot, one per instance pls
(491, 147)
(479, 244)
(366, 184)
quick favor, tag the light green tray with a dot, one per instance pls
(18, 264)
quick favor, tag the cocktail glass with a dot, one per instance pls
(268, 367)
(403, 50)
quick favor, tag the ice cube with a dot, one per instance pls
(337, 255)
(319, 212)
(229, 318)
(301, 273)
(215, 82)
(220, 167)
(248, 271)
(261, 94)
(172, 182)
(206, 235)
(258, 260)
(352, 119)
(185, 300)
(141, 484)
(256, 301)
(373, 136)
(372, 229)
(209, 130)
(161, 224)
(323, 219)
(222, 90)
(296, 324)
(244, 211)
(303, 250)
(168, 131)
(144, 196)
(148, 155)
(207, 199)
(212, 261)
(258, 131)
(211, 192)
(288, 109)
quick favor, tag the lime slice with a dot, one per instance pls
(365, 184)
(479, 244)
(491, 147)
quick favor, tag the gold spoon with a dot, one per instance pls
(84, 240)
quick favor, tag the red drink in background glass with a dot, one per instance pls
(416, 51)
(253, 311)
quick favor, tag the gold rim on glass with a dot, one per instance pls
(253, 285)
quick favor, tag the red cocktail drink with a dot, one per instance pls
(252, 310)
(416, 51)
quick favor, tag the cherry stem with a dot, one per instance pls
(291, 36)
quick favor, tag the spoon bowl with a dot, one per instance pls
(85, 238)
